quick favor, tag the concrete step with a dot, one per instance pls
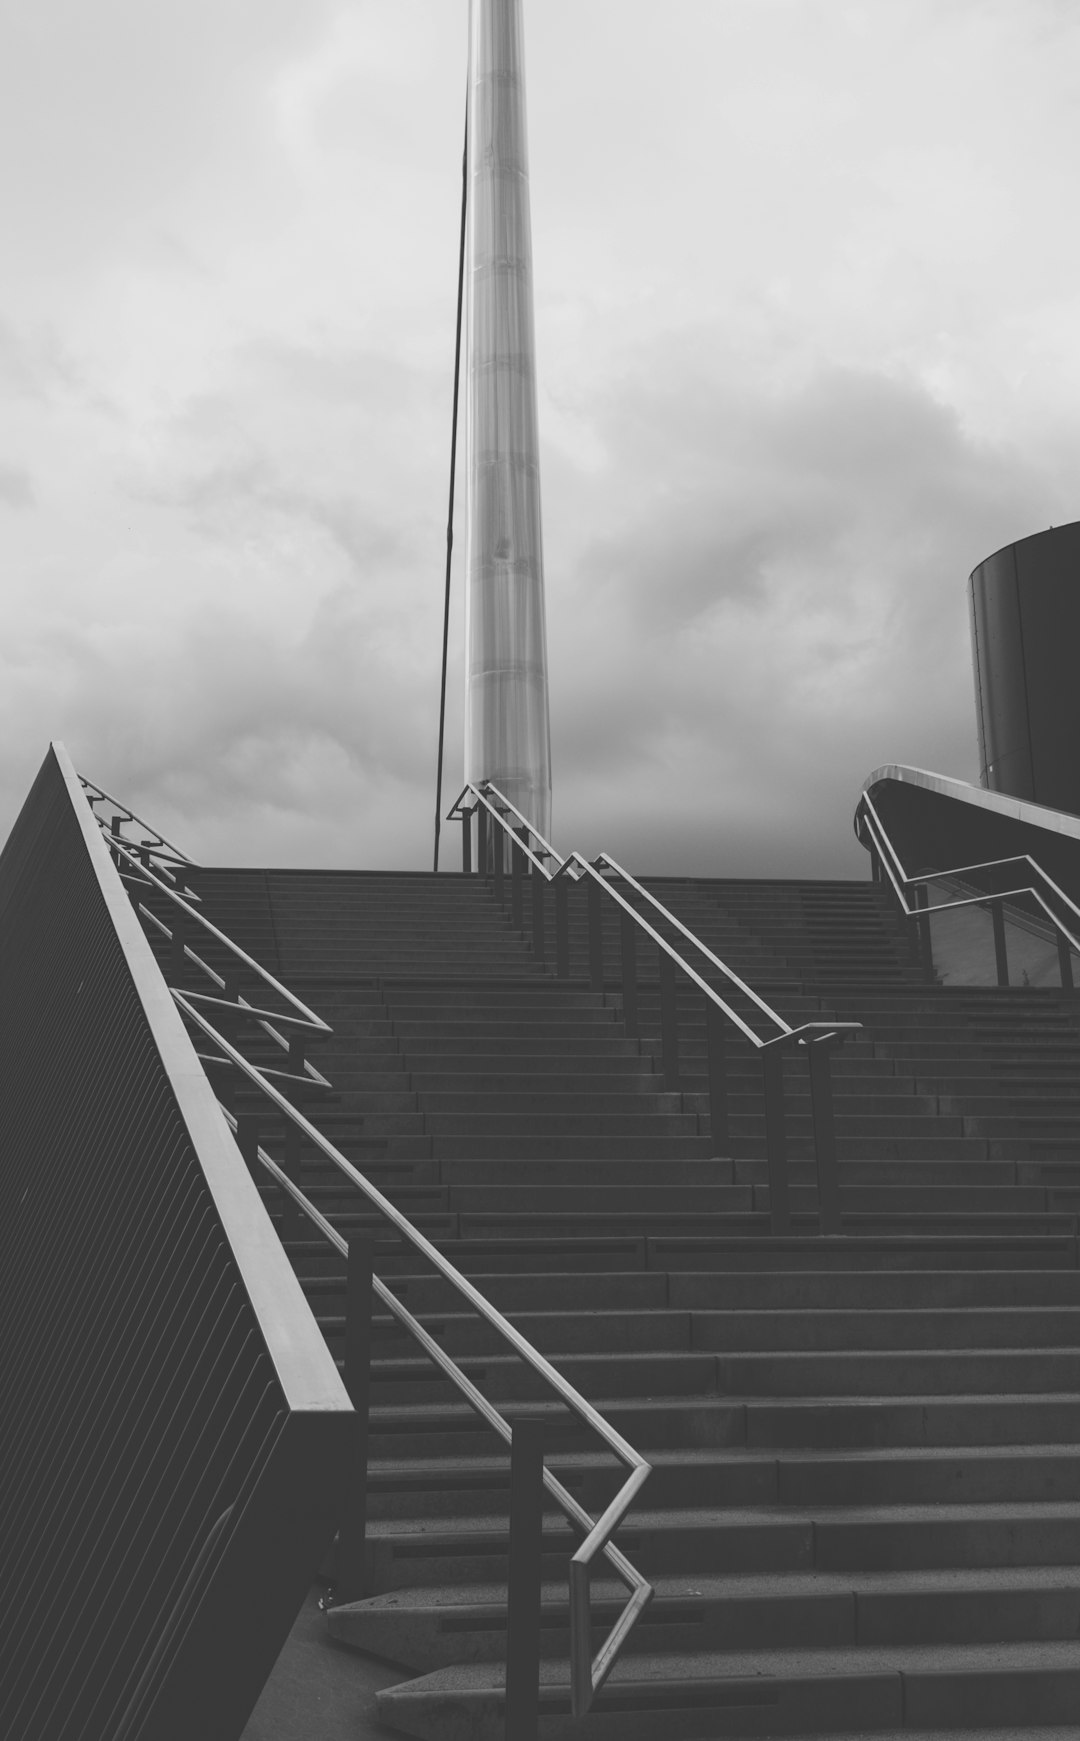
(452, 1488)
(435, 1427)
(938, 1329)
(683, 1697)
(470, 1549)
(877, 1372)
(863, 1497)
(430, 1628)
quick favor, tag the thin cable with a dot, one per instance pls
(453, 473)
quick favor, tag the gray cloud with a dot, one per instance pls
(225, 353)
(781, 607)
(772, 601)
(16, 487)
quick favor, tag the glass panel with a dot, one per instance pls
(962, 940)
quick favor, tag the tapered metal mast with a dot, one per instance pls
(507, 734)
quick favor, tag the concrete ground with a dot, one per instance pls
(320, 1690)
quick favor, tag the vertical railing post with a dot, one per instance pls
(482, 855)
(116, 828)
(538, 882)
(357, 1375)
(229, 1027)
(524, 1581)
(669, 1022)
(518, 864)
(247, 1141)
(772, 1070)
(291, 1217)
(926, 946)
(290, 1214)
(628, 965)
(1064, 963)
(821, 1104)
(716, 1075)
(562, 928)
(466, 841)
(498, 858)
(596, 935)
(1001, 950)
(177, 958)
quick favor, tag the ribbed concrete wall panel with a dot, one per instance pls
(166, 1485)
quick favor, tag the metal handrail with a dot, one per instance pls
(785, 1031)
(867, 817)
(96, 794)
(141, 876)
(684, 930)
(504, 807)
(498, 807)
(815, 1038)
(587, 1673)
(577, 868)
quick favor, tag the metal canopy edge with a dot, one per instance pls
(999, 803)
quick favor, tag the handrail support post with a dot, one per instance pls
(716, 1074)
(177, 956)
(524, 1580)
(669, 1023)
(247, 1141)
(539, 941)
(466, 841)
(1001, 948)
(483, 865)
(562, 929)
(628, 964)
(291, 1222)
(596, 936)
(926, 945)
(517, 870)
(819, 1059)
(1064, 963)
(772, 1070)
(350, 1567)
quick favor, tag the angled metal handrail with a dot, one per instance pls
(96, 794)
(783, 1027)
(491, 802)
(785, 1032)
(488, 804)
(141, 876)
(576, 867)
(587, 1673)
(868, 821)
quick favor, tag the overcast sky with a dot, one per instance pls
(808, 330)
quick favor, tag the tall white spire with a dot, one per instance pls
(507, 737)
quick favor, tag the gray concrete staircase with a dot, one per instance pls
(864, 1516)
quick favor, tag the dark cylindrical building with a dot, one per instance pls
(1025, 637)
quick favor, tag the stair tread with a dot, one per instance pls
(487, 1098)
(983, 1659)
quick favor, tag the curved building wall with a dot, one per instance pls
(1025, 636)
